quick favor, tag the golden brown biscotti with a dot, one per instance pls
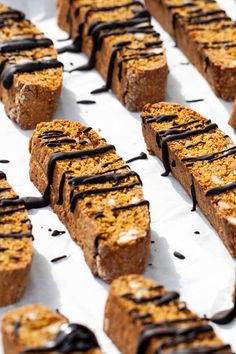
(35, 329)
(206, 35)
(30, 74)
(201, 157)
(15, 244)
(232, 120)
(121, 43)
(142, 317)
(95, 194)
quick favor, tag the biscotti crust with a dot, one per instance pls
(15, 245)
(114, 242)
(139, 310)
(192, 39)
(199, 177)
(35, 326)
(135, 82)
(31, 76)
(232, 120)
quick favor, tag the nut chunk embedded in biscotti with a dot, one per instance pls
(121, 43)
(207, 36)
(30, 74)
(36, 329)
(95, 194)
(142, 317)
(201, 157)
(232, 120)
(15, 244)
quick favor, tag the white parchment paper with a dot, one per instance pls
(205, 278)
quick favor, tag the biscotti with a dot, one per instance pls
(95, 194)
(15, 244)
(232, 120)
(201, 157)
(30, 74)
(206, 35)
(122, 44)
(36, 329)
(142, 317)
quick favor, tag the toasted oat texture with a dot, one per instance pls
(95, 194)
(33, 327)
(30, 75)
(201, 157)
(206, 35)
(123, 46)
(142, 317)
(15, 244)
(232, 120)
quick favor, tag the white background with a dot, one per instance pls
(205, 278)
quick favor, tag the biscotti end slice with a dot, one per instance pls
(30, 74)
(206, 35)
(142, 317)
(63, 12)
(121, 43)
(201, 157)
(95, 194)
(33, 327)
(15, 245)
(33, 97)
(232, 120)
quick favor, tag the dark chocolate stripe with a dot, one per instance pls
(132, 205)
(2, 175)
(24, 44)
(221, 189)
(71, 338)
(10, 70)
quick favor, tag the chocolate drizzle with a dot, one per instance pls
(2, 175)
(15, 45)
(141, 156)
(177, 135)
(71, 338)
(168, 333)
(221, 189)
(10, 70)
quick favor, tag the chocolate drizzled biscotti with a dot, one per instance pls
(206, 34)
(232, 120)
(142, 317)
(121, 43)
(15, 244)
(95, 194)
(36, 329)
(201, 157)
(30, 74)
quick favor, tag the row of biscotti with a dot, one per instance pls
(30, 74)
(93, 190)
(192, 148)
(121, 43)
(206, 34)
(141, 317)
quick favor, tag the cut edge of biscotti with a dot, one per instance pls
(141, 316)
(15, 245)
(232, 120)
(112, 226)
(35, 326)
